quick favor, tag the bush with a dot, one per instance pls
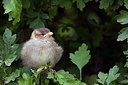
(101, 24)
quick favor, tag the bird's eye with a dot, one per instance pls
(42, 34)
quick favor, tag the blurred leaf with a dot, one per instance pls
(52, 12)
(11, 56)
(12, 76)
(54, 2)
(26, 80)
(67, 32)
(67, 4)
(126, 64)
(32, 14)
(126, 53)
(126, 3)
(1, 45)
(122, 18)
(81, 57)
(64, 78)
(2, 73)
(39, 70)
(81, 3)
(9, 52)
(13, 8)
(8, 37)
(123, 34)
(37, 23)
(26, 4)
(44, 15)
(93, 18)
(102, 77)
(117, 4)
(9, 61)
(104, 4)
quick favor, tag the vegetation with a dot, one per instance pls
(93, 34)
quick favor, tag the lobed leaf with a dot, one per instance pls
(67, 4)
(26, 80)
(11, 55)
(108, 78)
(113, 75)
(102, 77)
(64, 78)
(37, 23)
(13, 8)
(122, 18)
(123, 34)
(81, 3)
(104, 4)
(80, 57)
(126, 3)
(12, 76)
(8, 37)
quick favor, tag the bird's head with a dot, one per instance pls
(41, 33)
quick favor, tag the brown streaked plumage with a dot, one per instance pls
(41, 49)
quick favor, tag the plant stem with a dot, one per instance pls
(80, 74)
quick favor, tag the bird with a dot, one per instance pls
(41, 49)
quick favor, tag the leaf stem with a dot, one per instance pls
(80, 74)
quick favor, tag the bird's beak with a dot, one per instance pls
(48, 34)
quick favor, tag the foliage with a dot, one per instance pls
(26, 80)
(13, 8)
(12, 76)
(123, 34)
(64, 78)
(80, 57)
(8, 50)
(105, 78)
(98, 23)
(122, 17)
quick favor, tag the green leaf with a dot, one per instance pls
(104, 4)
(9, 52)
(37, 23)
(9, 61)
(122, 18)
(110, 77)
(102, 77)
(39, 70)
(26, 4)
(126, 3)
(52, 12)
(12, 76)
(80, 57)
(67, 32)
(67, 4)
(64, 78)
(126, 64)
(44, 15)
(113, 74)
(12, 55)
(81, 3)
(13, 8)
(8, 37)
(26, 80)
(123, 34)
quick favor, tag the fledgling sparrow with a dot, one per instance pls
(41, 49)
